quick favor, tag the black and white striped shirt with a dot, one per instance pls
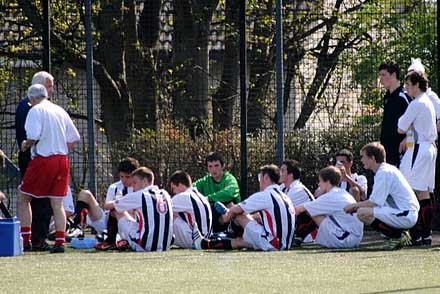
(191, 206)
(154, 216)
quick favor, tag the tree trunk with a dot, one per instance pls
(224, 99)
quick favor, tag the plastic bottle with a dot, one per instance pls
(409, 139)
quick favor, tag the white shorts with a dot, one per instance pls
(99, 225)
(128, 230)
(332, 236)
(254, 234)
(68, 202)
(182, 233)
(396, 218)
(418, 166)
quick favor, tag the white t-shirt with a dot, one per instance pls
(435, 101)
(276, 211)
(52, 127)
(297, 192)
(116, 190)
(420, 115)
(331, 204)
(390, 188)
(360, 179)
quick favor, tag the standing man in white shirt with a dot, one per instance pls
(336, 229)
(418, 163)
(392, 207)
(51, 133)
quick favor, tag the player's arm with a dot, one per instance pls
(353, 183)
(2, 196)
(355, 206)
(299, 209)
(26, 144)
(109, 205)
(233, 212)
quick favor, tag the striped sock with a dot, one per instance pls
(26, 235)
(60, 238)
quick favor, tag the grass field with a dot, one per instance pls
(307, 270)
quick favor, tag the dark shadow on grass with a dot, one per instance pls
(403, 290)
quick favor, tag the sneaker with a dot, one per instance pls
(43, 246)
(397, 243)
(196, 238)
(416, 242)
(75, 233)
(296, 243)
(104, 246)
(57, 249)
(427, 241)
(27, 247)
(220, 208)
(123, 245)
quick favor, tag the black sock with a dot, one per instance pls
(426, 215)
(386, 229)
(220, 243)
(112, 229)
(304, 225)
(79, 216)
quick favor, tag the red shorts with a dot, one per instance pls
(47, 176)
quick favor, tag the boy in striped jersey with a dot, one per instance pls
(88, 209)
(268, 218)
(189, 207)
(336, 228)
(290, 174)
(152, 227)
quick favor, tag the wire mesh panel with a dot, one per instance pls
(166, 78)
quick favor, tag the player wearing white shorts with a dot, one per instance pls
(418, 163)
(392, 206)
(290, 175)
(90, 212)
(336, 228)
(267, 217)
(189, 207)
(152, 227)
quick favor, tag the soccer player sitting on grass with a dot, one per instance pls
(218, 185)
(336, 228)
(189, 207)
(290, 174)
(152, 227)
(268, 218)
(392, 207)
(88, 209)
(353, 183)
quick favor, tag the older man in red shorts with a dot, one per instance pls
(50, 132)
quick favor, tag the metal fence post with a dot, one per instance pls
(243, 101)
(46, 36)
(280, 80)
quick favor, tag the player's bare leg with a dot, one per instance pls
(25, 217)
(60, 224)
(356, 193)
(94, 210)
(366, 215)
(318, 219)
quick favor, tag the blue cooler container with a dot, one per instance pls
(10, 239)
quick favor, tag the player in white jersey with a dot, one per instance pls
(290, 175)
(152, 227)
(336, 228)
(392, 206)
(418, 163)
(267, 217)
(351, 182)
(90, 212)
(189, 207)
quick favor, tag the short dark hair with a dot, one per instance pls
(214, 156)
(144, 173)
(347, 153)
(272, 171)
(181, 177)
(292, 168)
(416, 77)
(375, 149)
(391, 67)
(330, 174)
(128, 165)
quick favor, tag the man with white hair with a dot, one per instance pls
(40, 207)
(51, 133)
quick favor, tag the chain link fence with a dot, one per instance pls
(167, 80)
